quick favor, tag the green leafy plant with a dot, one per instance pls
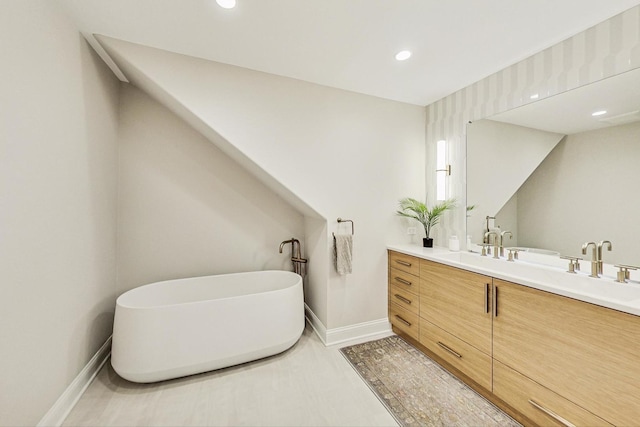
(412, 208)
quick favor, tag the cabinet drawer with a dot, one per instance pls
(462, 356)
(538, 403)
(404, 299)
(405, 281)
(404, 320)
(406, 263)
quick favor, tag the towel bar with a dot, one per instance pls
(347, 220)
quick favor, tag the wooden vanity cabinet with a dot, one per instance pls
(586, 354)
(549, 359)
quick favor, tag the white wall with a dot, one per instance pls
(58, 129)
(339, 153)
(585, 191)
(185, 208)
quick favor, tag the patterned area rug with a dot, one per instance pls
(416, 390)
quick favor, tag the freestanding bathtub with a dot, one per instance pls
(182, 327)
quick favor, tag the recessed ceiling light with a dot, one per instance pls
(599, 113)
(227, 4)
(534, 96)
(403, 55)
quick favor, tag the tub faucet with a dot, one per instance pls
(295, 252)
(296, 256)
(496, 243)
(600, 245)
(594, 257)
(502, 240)
(293, 245)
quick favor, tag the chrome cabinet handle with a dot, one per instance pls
(552, 414)
(405, 263)
(401, 280)
(402, 320)
(403, 299)
(456, 354)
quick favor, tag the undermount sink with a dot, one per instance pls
(538, 251)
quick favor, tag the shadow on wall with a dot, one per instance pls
(90, 331)
(186, 208)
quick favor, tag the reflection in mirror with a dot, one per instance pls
(556, 176)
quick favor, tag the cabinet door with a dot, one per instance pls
(586, 353)
(457, 301)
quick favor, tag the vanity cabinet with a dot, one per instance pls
(550, 359)
(587, 354)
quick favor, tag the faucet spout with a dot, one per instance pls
(294, 251)
(296, 255)
(496, 244)
(504, 233)
(600, 245)
(285, 242)
(594, 257)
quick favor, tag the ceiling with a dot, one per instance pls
(350, 44)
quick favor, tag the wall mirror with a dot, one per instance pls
(561, 171)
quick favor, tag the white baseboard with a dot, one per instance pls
(65, 403)
(316, 324)
(373, 329)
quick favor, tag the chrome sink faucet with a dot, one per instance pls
(502, 240)
(594, 257)
(496, 244)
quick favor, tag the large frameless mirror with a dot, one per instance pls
(561, 171)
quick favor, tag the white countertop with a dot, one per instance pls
(604, 291)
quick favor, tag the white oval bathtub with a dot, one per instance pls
(182, 327)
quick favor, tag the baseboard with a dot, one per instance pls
(317, 326)
(65, 403)
(373, 329)
(369, 330)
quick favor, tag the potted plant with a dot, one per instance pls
(412, 208)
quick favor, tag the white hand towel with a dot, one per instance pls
(343, 250)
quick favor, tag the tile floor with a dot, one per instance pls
(308, 385)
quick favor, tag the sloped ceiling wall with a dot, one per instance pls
(329, 153)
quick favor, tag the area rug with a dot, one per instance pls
(416, 390)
